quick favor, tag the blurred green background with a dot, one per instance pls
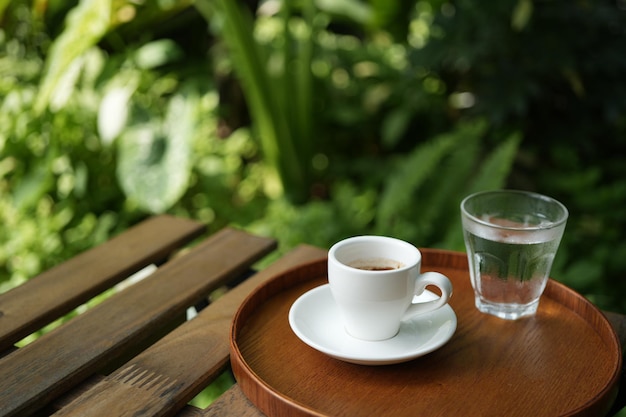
(311, 121)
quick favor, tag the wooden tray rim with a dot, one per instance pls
(555, 290)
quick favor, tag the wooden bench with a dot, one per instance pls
(134, 353)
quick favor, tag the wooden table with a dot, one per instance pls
(134, 353)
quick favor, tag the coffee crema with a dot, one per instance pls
(376, 268)
(376, 264)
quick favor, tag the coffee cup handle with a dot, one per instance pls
(430, 278)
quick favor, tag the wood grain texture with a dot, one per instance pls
(566, 360)
(162, 379)
(88, 384)
(36, 374)
(57, 291)
(233, 403)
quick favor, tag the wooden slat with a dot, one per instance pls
(64, 400)
(36, 374)
(57, 291)
(165, 377)
(232, 403)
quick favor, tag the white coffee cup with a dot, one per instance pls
(373, 301)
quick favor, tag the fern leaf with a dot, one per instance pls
(497, 166)
(419, 165)
(440, 200)
(493, 174)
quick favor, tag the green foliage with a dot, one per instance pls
(213, 391)
(72, 178)
(421, 198)
(413, 188)
(417, 200)
(592, 258)
(278, 94)
(365, 117)
(86, 24)
(552, 71)
(155, 162)
(310, 121)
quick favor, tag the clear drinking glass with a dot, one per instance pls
(511, 239)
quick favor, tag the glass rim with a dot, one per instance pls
(551, 225)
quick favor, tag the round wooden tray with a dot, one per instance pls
(565, 360)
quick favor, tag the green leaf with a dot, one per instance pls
(280, 104)
(583, 273)
(157, 53)
(496, 167)
(521, 14)
(114, 110)
(155, 161)
(493, 173)
(249, 62)
(296, 100)
(85, 26)
(395, 125)
(354, 10)
(439, 211)
(413, 171)
(3, 6)
(33, 186)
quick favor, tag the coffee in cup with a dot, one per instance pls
(376, 264)
(373, 280)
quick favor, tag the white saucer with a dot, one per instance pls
(314, 318)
